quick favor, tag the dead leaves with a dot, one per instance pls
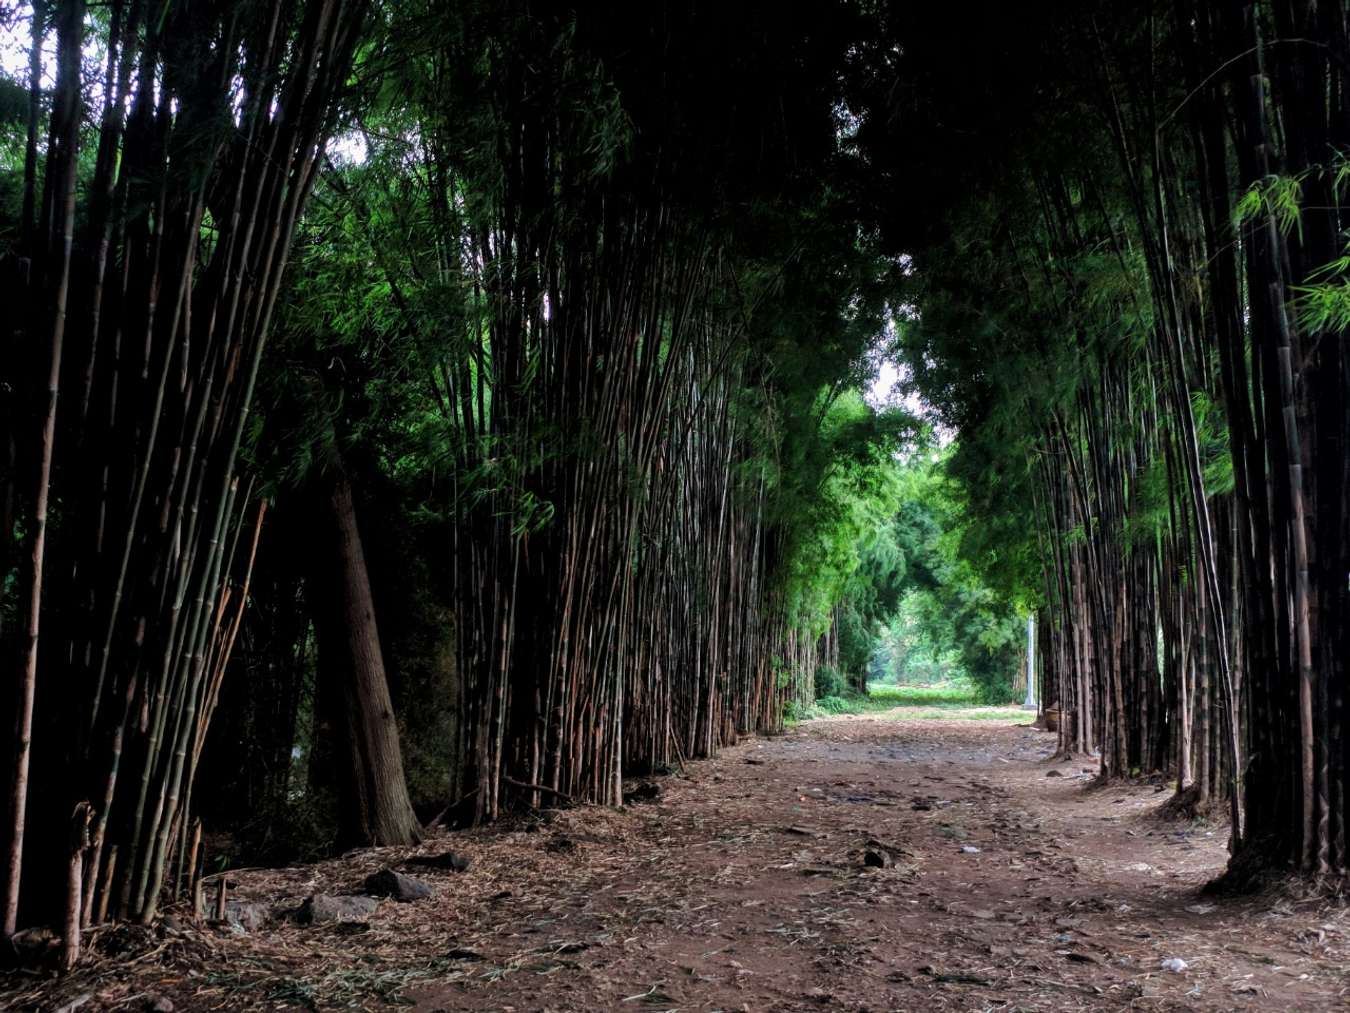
(808, 879)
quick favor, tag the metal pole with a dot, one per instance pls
(1030, 703)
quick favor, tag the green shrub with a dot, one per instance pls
(835, 704)
(829, 683)
(958, 694)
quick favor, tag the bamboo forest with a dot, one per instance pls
(608, 505)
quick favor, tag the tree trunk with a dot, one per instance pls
(373, 795)
(79, 843)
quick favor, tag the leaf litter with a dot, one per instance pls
(749, 886)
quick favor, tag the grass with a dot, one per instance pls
(947, 702)
(1011, 714)
(921, 696)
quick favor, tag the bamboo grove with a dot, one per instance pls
(146, 267)
(603, 415)
(591, 338)
(1139, 333)
(418, 413)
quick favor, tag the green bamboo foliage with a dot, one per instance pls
(1163, 286)
(604, 416)
(162, 292)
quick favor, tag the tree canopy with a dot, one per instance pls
(418, 412)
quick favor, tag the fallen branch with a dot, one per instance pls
(526, 786)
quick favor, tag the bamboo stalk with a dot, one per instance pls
(62, 172)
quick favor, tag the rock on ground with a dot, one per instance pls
(248, 915)
(388, 883)
(322, 908)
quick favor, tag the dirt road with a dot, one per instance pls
(1002, 881)
(745, 888)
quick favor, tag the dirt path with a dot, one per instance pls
(743, 886)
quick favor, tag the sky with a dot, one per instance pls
(349, 147)
(14, 39)
(884, 388)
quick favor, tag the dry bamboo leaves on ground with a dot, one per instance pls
(741, 888)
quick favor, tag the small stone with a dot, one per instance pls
(1174, 964)
(453, 862)
(877, 859)
(159, 1004)
(74, 1004)
(322, 908)
(32, 943)
(247, 915)
(388, 883)
(560, 844)
(647, 791)
(1053, 773)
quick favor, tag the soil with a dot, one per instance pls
(744, 884)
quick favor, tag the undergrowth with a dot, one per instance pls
(958, 693)
(949, 701)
